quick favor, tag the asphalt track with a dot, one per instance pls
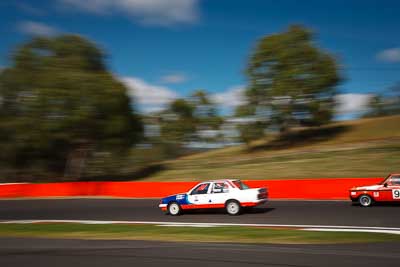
(66, 253)
(340, 213)
(63, 253)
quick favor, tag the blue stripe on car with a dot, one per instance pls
(181, 200)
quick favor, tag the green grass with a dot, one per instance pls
(232, 234)
(363, 148)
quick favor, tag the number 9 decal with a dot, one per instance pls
(396, 193)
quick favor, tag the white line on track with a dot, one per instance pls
(380, 231)
(330, 228)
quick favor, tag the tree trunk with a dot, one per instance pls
(76, 162)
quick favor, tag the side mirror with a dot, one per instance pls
(385, 185)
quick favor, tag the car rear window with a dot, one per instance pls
(239, 184)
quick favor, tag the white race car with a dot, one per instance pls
(233, 195)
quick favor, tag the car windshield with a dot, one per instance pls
(239, 184)
(200, 189)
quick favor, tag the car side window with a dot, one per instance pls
(220, 187)
(201, 189)
(395, 180)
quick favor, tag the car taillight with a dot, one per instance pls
(262, 194)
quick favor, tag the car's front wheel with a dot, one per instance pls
(365, 200)
(233, 207)
(174, 209)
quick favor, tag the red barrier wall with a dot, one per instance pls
(318, 189)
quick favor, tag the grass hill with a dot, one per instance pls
(361, 148)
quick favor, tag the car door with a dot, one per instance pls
(219, 194)
(198, 197)
(394, 186)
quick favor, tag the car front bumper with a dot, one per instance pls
(163, 207)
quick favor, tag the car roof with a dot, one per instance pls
(220, 181)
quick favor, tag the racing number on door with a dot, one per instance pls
(396, 193)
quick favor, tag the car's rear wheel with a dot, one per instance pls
(174, 209)
(365, 201)
(233, 207)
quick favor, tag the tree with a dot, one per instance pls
(253, 126)
(205, 111)
(186, 117)
(251, 131)
(59, 103)
(376, 107)
(292, 78)
(394, 98)
(386, 103)
(178, 122)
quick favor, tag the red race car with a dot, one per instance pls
(386, 191)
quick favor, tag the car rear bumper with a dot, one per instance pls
(254, 204)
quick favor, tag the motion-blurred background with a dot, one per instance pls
(198, 89)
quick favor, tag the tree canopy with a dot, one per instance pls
(386, 103)
(205, 110)
(57, 98)
(292, 78)
(178, 122)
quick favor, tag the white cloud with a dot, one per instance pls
(36, 28)
(174, 78)
(389, 55)
(232, 97)
(150, 97)
(148, 12)
(352, 103)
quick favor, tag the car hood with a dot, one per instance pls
(174, 195)
(367, 187)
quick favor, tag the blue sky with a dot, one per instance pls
(164, 49)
